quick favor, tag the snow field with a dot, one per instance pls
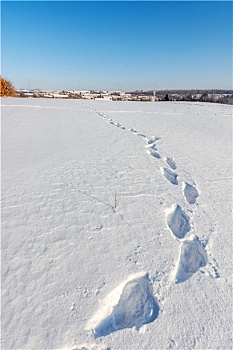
(67, 249)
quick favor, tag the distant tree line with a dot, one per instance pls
(213, 95)
(182, 92)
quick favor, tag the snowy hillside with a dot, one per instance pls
(116, 225)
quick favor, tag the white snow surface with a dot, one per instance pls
(116, 225)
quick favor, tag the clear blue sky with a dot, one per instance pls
(117, 45)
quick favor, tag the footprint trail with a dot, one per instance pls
(132, 303)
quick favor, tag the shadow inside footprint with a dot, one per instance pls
(170, 176)
(153, 153)
(190, 193)
(170, 162)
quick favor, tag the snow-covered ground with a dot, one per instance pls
(116, 225)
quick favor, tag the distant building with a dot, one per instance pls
(27, 93)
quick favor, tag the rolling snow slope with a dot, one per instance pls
(116, 225)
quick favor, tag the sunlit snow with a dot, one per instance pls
(116, 225)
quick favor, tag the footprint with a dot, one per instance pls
(177, 221)
(153, 153)
(192, 257)
(190, 192)
(153, 139)
(170, 162)
(170, 176)
(131, 304)
(152, 146)
(98, 228)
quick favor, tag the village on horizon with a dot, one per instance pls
(214, 95)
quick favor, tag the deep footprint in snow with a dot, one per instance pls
(170, 162)
(190, 193)
(177, 221)
(153, 153)
(192, 257)
(170, 175)
(131, 304)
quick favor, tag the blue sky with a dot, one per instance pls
(117, 45)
